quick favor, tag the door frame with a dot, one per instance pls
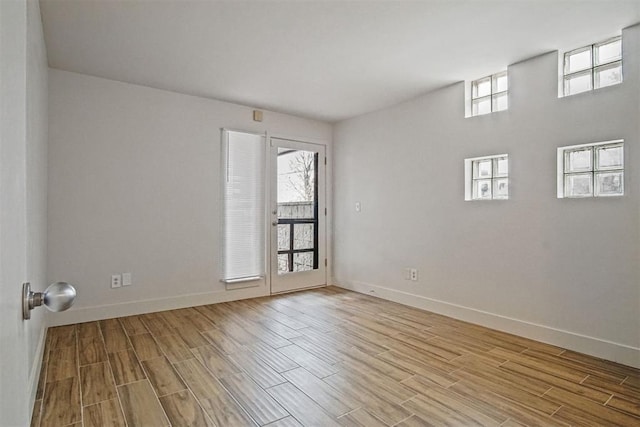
(313, 278)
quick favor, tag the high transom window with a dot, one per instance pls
(592, 67)
(490, 94)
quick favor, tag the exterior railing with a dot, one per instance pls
(291, 214)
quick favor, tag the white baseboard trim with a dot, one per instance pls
(34, 376)
(604, 349)
(131, 308)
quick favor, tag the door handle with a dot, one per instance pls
(58, 296)
(274, 223)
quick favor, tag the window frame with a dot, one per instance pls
(472, 178)
(594, 67)
(493, 95)
(593, 171)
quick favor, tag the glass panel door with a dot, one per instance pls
(298, 216)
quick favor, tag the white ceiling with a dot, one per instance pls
(327, 60)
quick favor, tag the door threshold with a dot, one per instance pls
(299, 289)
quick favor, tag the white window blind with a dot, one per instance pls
(243, 219)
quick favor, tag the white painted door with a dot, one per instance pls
(298, 215)
(14, 360)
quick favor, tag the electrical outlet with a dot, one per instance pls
(126, 279)
(407, 274)
(414, 274)
(116, 280)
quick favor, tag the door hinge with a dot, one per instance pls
(325, 262)
(325, 161)
(325, 211)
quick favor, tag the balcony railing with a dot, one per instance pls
(297, 237)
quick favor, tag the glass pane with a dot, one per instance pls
(303, 236)
(608, 75)
(295, 210)
(501, 166)
(577, 60)
(284, 237)
(481, 106)
(500, 101)
(609, 157)
(579, 185)
(577, 83)
(608, 52)
(577, 160)
(296, 179)
(482, 168)
(482, 189)
(481, 87)
(609, 184)
(296, 202)
(303, 261)
(501, 188)
(283, 263)
(500, 82)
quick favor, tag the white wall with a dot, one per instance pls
(562, 271)
(23, 198)
(134, 187)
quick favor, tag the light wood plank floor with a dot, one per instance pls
(320, 358)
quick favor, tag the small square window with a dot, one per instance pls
(578, 83)
(578, 185)
(482, 189)
(577, 60)
(501, 188)
(609, 184)
(490, 94)
(500, 102)
(482, 87)
(487, 178)
(607, 75)
(500, 82)
(482, 169)
(481, 106)
(592, 67)
(578, 160)
(607, 52)
(502, 166)
(609, 157)
(591, 170)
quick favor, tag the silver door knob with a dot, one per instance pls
(58, 296)
(274, 223)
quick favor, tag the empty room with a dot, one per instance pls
(319, 213)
